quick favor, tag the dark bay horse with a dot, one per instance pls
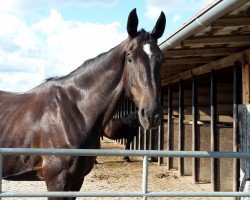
(123, 128)
(72, 111)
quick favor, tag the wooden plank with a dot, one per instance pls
(231, 21)
(207, 68)
(205, 118)
(217, 51)
(215, 39)
(216, 65)
(176, 78)
(191, 60)
(222, 109)
(245, 79)
(181, 128)
(195, 136)
(225, 121)
(170, 70)
(215, 179)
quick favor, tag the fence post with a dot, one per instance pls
(145, 177)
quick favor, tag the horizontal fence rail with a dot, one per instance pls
(138, 153)
(108, 152)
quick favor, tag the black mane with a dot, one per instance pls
(82, 66)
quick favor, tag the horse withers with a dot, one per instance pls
(71, 111)
(125, 127)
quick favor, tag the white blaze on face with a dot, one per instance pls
(146, 48)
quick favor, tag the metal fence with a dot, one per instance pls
(144, 193)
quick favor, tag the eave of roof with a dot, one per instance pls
(201, 20)
(218, 31)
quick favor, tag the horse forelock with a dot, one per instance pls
(144, 35)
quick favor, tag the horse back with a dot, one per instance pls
(45, 119)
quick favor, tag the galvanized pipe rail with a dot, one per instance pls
(139, 153)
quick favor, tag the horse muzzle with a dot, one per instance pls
(150, 119)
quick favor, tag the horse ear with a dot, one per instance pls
(159, 28)
(132, 23)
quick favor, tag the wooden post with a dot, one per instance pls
(170, 126)
(215, 179)
(181, 128)
(195, 136)
(161, 134)
(245, 80)
(236, 102)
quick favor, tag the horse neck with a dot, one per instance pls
(101, 84)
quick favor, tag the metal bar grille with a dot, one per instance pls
(102, 152)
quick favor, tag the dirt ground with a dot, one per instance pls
(112, 174)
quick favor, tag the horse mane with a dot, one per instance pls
(86, 63)
(142, 35)
(52, 78)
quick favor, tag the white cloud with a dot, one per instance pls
(52, 46)
(31, 6)
(176, 17)
(153, 12)
(19, 81)
(172, 6)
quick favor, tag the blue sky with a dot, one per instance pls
(44, 38)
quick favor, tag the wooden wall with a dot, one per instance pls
(224, 127)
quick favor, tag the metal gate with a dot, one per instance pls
(144, 193)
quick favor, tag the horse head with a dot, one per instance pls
(143, 60)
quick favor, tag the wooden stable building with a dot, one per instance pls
(205, 80)
(206, 96)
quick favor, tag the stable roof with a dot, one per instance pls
(212, 39)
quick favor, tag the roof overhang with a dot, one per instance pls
(218, 32)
